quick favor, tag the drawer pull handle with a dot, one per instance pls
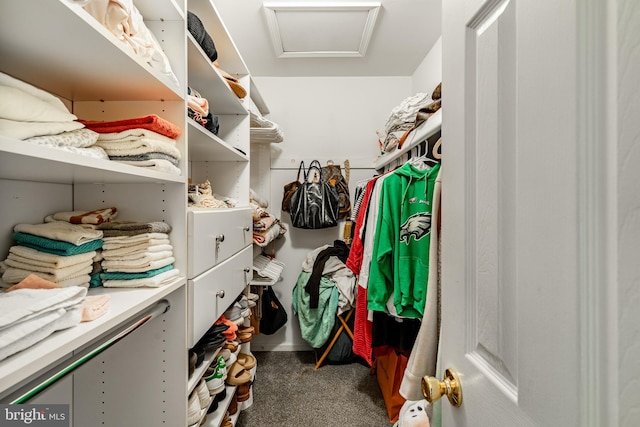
(246, 228)
(247, 269)
(220, 238)
(220, 294)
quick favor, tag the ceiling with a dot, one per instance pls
(403, 34)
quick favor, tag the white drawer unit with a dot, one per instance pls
(215, 235)
(211, 293)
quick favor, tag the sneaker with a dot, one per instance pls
(203, 394)
(195, 410)
(215, 381)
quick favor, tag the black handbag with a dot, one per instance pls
(291, 188)
(315, 203)
(274, 316)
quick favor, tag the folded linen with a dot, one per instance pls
(16, 104)
(158, 246)
(125, 241)
(145, 156)
(24, 304)
(264, 223)
(23, 130)
(136, 266)
(151, 122)
(129, 276)
(56, 272)
(135, 134)
(7, 80)
(81, 280)
(159, 165)
(95, 306)
(151, 282)
(55, 246)
(139, 256)
(131, 228)
(15, 275)
(263, 238)
(32, 256)
(28, 333)
(95, 217)
(61, 231)
(138, 146)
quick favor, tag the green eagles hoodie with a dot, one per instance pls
(400, 258)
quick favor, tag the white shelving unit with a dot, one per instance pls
(69, 54)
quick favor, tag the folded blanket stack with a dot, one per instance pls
(137, 255)
(266, 227)
(123, 19)
(146, 141)
(37, 117)
(27, 316)
(58, 251)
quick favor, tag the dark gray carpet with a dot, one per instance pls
(289, 393)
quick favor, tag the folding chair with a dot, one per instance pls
(344, 327)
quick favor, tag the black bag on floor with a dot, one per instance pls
(274, 316)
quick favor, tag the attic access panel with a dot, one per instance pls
(321, 30)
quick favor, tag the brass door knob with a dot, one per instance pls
(433, 389)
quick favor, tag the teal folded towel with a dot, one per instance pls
(115, 275)
(55, 246)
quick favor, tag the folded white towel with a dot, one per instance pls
(28, 333)
(151, 282)
(56, 272)
(129, 241)
(135, 134)
(23, 130)
(141, 255)
(154, 245)
(160, 165)
(22, 304)
(15, 275)
(140, 146)
(136, 266)
(62, 231)
(44, 259)
(81, 280)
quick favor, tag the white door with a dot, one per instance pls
(515, 255)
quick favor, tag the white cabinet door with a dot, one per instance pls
(515, 298)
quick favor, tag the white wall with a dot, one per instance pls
(429, 72)
(323, 118)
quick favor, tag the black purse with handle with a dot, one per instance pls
(315, 203)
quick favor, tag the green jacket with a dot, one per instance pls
(400, 258)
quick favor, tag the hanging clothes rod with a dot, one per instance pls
(83, 357)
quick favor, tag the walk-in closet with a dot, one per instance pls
(404, 213)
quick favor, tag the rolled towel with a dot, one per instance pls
(61, 231)
(95, 306)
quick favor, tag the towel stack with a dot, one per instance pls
(37, 117)
(266, 227)
(58, 251)
(264, 130)
(137, 255)
(146, 141)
